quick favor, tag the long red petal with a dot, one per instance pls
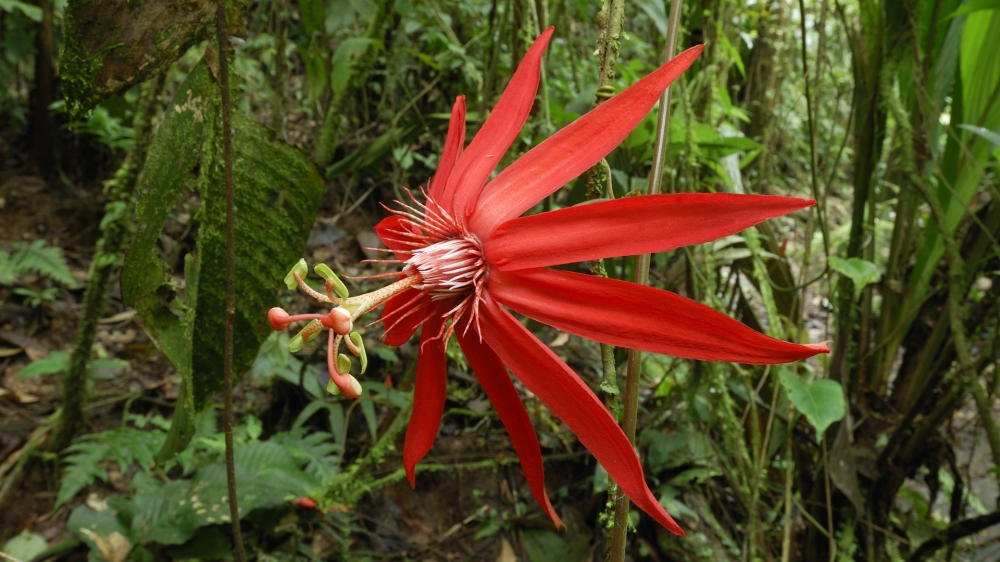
(399, 328)
(428, 396)
(497, 133)
(630, 226)
(494, 379)
(572, 401)
(573, 149)
(638, 317)
(453, 144)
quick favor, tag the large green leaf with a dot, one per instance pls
(821, 402)
(976, 6)
(975, 102)
(277, 192)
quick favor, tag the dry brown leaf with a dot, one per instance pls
(114, 547)
(507, 553)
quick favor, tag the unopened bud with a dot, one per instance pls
(277, 318)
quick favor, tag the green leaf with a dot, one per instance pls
(145, 277)
(860, 271)
(313, 14)
(821, 402)
(987, 134)
(657, 13)
(546, 546)
(488, 528)
(88, 523)
(34, 13)
(277, 193)
(25, 546)
(56, 362)
(665, 451)
(975, 6)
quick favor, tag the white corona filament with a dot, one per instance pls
(448, 268)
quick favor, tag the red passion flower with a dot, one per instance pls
(466, 256)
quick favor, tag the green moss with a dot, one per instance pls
(79, 71)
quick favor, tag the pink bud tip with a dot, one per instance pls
(307, 503)
(277, 317)
(339, 320)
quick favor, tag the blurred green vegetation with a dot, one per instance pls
(887, 112)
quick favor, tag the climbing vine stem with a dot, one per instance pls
(227, 352)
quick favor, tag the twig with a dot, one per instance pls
(227, 353)
(829, 504)
(6, 556)
(786, 539)
(954, 533)
(16, 462)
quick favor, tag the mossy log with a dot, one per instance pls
(112, 45)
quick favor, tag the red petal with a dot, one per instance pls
(388, 229)
(428, 396)
(573, 149)
(572, 401)
(630, 226)
(399, 328)
(493, 377)
(638, 317)
(452, 149)
(498, 132)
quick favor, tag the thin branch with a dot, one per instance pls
(953, 534)
(227, 354)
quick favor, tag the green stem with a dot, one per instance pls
(632, 373)
(115, 227)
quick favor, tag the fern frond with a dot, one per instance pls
(83, 466)
(38, 258)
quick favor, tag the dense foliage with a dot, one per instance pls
(112, 279)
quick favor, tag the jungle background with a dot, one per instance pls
(112, 284)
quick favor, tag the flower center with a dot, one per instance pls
(449, 268)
